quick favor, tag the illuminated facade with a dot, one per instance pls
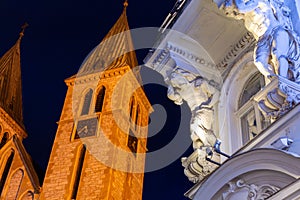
(100, 144)
(235, 63)
(18, 177)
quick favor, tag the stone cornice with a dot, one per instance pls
(162, 57)
(245, 42)
(190, 56)
(77, 79)
(95, 77)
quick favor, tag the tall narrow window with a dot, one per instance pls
(6, 171)
(131, 107)
(87, 102)
(4, 139)
(252, 120)
(137, 112)
(100, 100)
(15, 184)
(78, 171)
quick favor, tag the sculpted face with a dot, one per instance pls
(177, 80)
(258, 21)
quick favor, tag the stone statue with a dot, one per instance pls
(200, 95)
(277, 50)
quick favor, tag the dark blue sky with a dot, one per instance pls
(60, 35)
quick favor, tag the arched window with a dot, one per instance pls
(15, 184)
(252, 120)
(87, 102)
(78, 171)
(100, 99)
(6, 170)
(252, 86)
(28, 196)
(4, 139)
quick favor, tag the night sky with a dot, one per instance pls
(60, 35)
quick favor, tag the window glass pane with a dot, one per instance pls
(249, 126)
(100, 100)
(265, 122)
(86, 103)
(253, 85)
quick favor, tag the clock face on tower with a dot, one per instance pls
(86, 128)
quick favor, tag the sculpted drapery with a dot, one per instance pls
(277, 50)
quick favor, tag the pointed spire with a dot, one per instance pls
(125, 4)
(10, 81)
(23, 30)
(115, 50)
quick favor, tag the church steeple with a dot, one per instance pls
(10, 81)
(115, 50)
(107, 112)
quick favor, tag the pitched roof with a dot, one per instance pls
(115, 50)
(10, 82)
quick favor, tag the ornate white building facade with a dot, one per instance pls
(236, 64)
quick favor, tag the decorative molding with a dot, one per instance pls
(278, 97)
(291, 89)
(190, 56)
(86, 78)
(241, 190)
(161, 59)
(245, 42)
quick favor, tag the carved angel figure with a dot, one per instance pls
(277, 50)
(200, 96)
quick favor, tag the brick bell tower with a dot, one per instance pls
(100, 144)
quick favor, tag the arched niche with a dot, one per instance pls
(229, 122)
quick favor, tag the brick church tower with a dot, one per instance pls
(100, 144)
(18, 179)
